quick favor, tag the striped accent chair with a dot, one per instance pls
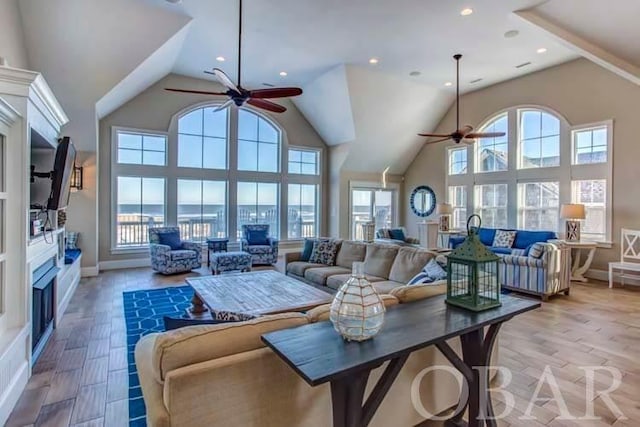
(545, 271)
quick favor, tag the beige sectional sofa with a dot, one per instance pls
(223, 375)
(386, 266)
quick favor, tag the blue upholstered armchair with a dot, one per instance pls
(256, 241)
(169, 254)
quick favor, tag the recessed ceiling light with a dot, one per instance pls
(283, 73)
(466, 11)
(373, 61)
(448, 84)
(415, 73)
(175, 1)
(511, 34)
(542, 50)
(220, 58)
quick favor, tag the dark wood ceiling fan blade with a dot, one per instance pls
(276, 92)
(266, 105)
(435, 135)
(438, 140)
(199, 92)
(484, 135)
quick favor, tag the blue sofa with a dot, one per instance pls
(524, 240)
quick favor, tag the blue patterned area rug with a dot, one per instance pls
(143, 313)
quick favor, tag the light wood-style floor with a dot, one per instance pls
(81, 378)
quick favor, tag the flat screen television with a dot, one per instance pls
(61, 177)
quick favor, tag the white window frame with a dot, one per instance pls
(316, 151)
(171, 173)
(450, 152)
(374, 186)
(521, 206)
(566, 173)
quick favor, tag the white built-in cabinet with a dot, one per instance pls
(26, 103)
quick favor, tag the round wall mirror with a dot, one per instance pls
(423, 201)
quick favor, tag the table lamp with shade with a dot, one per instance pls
(573, 213)
(444, 210)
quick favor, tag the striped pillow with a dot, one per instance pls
(536, 250)
(429, 273)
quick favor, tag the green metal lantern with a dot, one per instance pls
(472, 279)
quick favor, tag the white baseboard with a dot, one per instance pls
(603, 275)
(64, 303)
(125, 263)
(89, 271)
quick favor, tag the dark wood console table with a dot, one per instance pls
(319, 355)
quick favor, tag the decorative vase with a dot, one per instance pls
(357, 311)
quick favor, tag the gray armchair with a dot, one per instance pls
(169, 254)
(256, 241)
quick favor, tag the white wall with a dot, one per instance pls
(153, 110)
(12, 45)
(583, 93)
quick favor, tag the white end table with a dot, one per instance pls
(577, 249)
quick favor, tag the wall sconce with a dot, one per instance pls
(76, 178)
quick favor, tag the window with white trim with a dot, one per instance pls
(302, 213)
(552, 163)
(538, 205)
(136, 148)
(458, 202)
(458, 161)
(140, 204)
(212, 182)
(491, 204)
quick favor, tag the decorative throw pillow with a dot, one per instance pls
(258, 237)
(536, 250)
(504, 238)
(171, 239)
(384, 233)
(324, 252)
(429, 273)
(397, 234)
(307, 250)
(71, 240)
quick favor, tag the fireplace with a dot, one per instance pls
(44, 278)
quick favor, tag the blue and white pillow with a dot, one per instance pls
(504, 238)
(429, 273)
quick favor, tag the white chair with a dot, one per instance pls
(629, 255)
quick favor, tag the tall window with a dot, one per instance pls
(371, 205)
(141, 149)
(556, 163)
(457, 161)
(491, 204)
(539, 139)
(202, 139)
(458, 201)
(202, 209)
(207, 159)
(140, 205)
(302, 218)
(258, 204)
(538, 205)
(258, 143)
(592, 194)
(492, 153)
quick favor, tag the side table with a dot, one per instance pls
(577, 249)
(216, 244)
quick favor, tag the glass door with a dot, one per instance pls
(371, 205)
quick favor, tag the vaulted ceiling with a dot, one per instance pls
(100, 54)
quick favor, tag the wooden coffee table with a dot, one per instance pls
(244, 296)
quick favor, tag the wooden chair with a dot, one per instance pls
(629, 256)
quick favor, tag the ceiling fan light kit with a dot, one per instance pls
(237, 94)
(465, 133)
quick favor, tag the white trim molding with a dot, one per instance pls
(90, 271)
(125, 263)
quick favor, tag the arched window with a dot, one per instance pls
(539, 139)
(213, 172)
(492, 154)
(520, 180)
(202, 139)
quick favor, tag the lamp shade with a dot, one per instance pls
(444, 209)
(572, 211)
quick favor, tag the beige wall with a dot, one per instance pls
(153, 110)
(583, 93)
(12, 46)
